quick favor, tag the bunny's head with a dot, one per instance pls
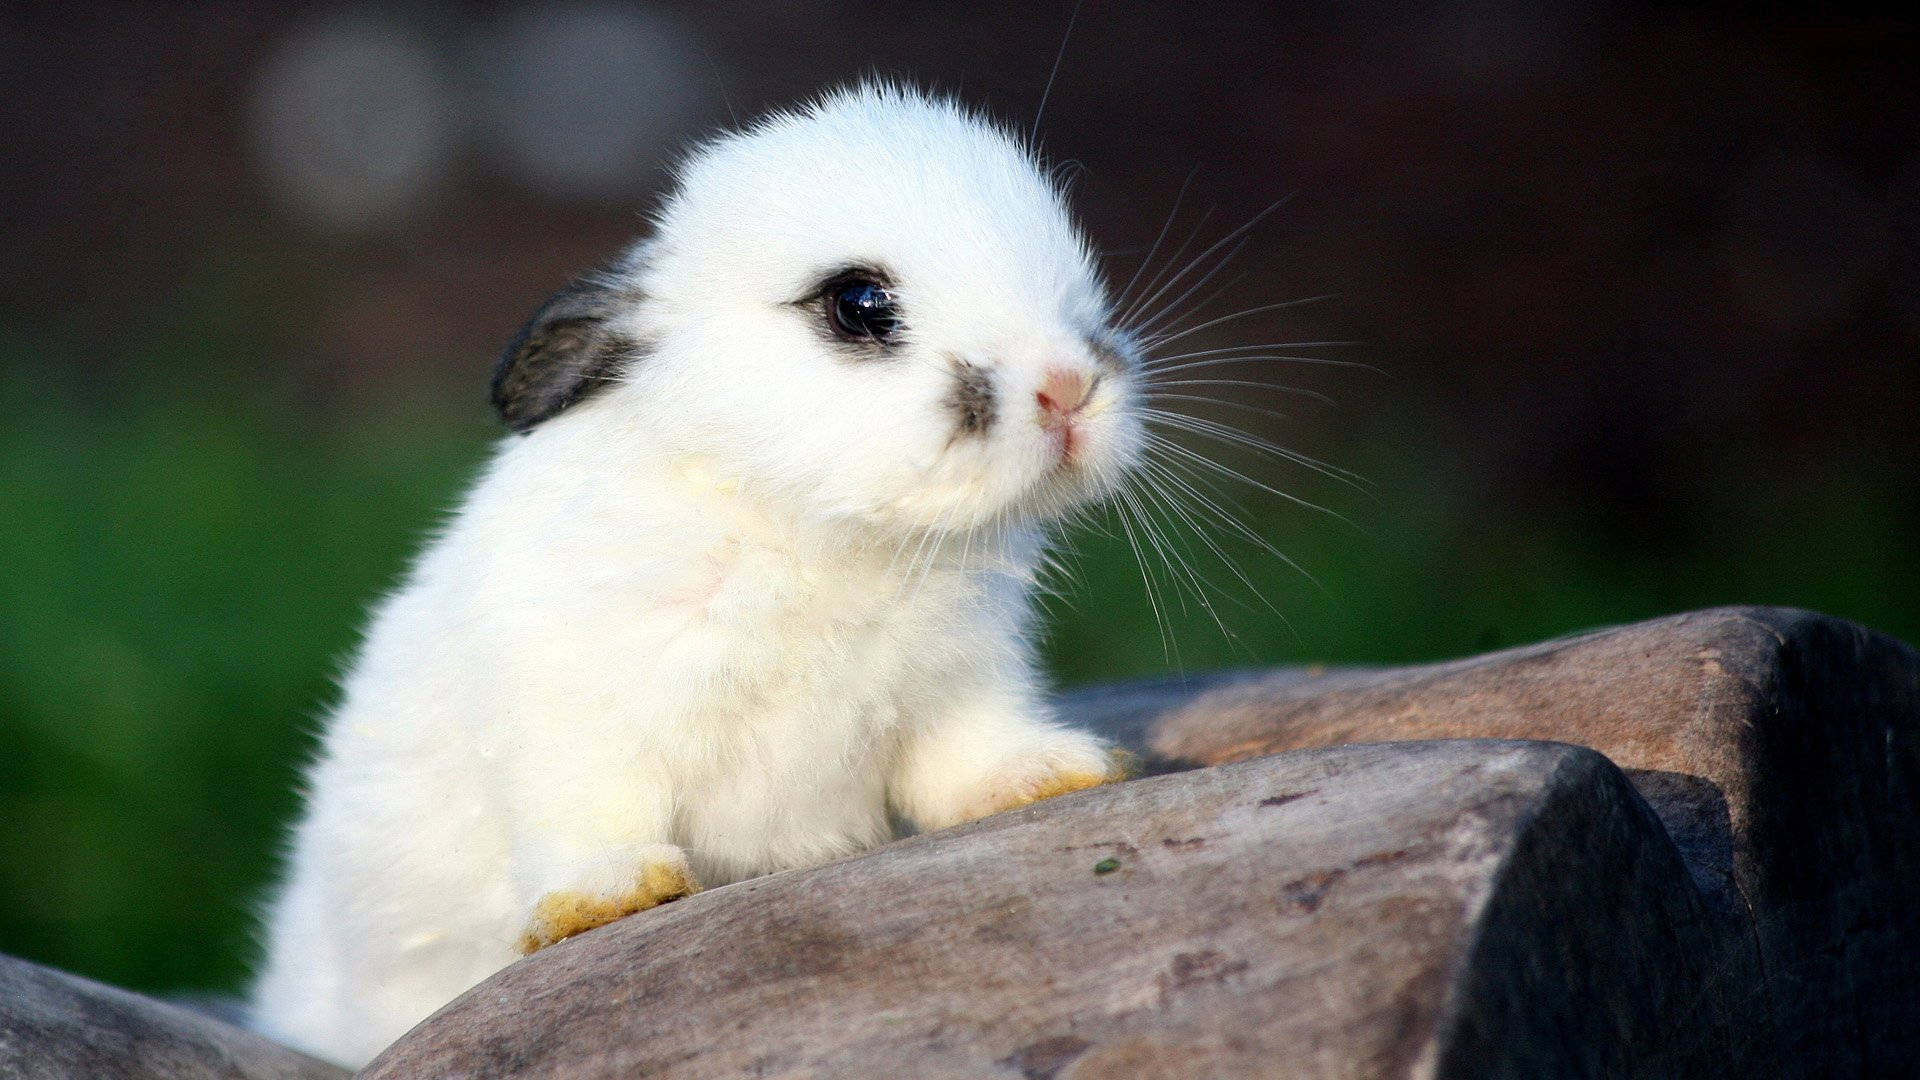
(876, 307)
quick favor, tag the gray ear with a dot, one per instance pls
(566, 349)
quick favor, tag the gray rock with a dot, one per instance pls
(55, 1026)
(1780, 748)
(1455, 908)
(1356, 873)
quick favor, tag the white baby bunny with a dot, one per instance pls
(750, 580)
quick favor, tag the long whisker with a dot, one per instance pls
(1213, 429)
(1197, 307)
(1151, 288)
(1165, 484)
(1171, 447)
(1152, 493)
(1124, 509)
(1253, 348)
(1200, 424)
(1234, 523)
(1121, 298)
(1193, 310)
(1169, 556)
(1152, 318)
(1157, 394)
(1065, 37)
(916, 539)
(1153, 387)
(1165, 475)
(1159, 340)
(1201, 258)
(1278, 358)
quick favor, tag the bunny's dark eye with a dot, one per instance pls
(861, 309)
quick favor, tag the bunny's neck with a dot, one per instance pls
(679, 525)
(876, 552)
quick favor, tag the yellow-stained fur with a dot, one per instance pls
(1122, 766)
(560, 915)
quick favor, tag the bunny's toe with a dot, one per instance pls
(1119, 765)
(560, 915)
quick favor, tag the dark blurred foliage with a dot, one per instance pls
(1642, 282)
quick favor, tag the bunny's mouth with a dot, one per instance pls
(1085, 456)
(1068, 443)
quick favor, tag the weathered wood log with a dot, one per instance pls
(55, 1026)
(1469, 909)
(1780, 748)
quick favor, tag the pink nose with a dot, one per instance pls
(1062, 393)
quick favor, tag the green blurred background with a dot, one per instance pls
(1642, 284)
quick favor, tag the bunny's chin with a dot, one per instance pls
(1092, 460)
(1072, 485)
(990, 502)
(1090, 470)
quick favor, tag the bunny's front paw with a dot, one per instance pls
(662, 875)
(1022, 783)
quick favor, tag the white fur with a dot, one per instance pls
(742, 603)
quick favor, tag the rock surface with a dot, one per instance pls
(1358, 873)
(55, 1026)
(1354, 911)
(1780, 748)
